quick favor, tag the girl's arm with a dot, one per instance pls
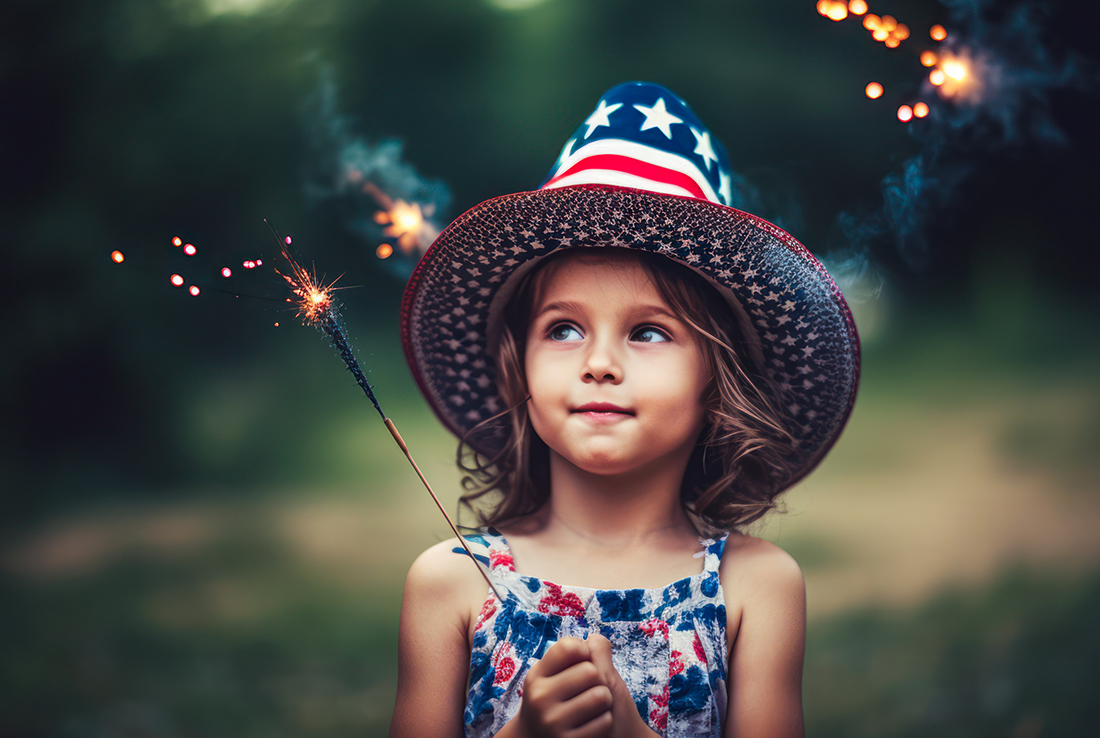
(765, 667)
(433, 651)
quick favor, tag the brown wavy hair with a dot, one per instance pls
(731, 478)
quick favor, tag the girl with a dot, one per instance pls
(640, 370)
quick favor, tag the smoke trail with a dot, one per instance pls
(1006, 110)
(379, 196)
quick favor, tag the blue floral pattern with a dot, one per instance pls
(669, 645)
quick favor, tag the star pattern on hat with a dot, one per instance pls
(658, 117)
(600, 117)
(725, 189)
(703, 147)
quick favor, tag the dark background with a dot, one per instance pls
(126, 401)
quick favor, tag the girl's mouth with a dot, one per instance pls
(603, 410)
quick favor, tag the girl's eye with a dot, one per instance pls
(650, 335)
(564, 332)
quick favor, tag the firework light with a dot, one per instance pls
(382, 199)
(986, 92)
(318, 307)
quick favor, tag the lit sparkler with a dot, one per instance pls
(951, 75)
(319, 308)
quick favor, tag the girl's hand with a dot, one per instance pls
(626, 722)
(565, 695)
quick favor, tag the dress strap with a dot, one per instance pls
(489, 547)
(712, 552)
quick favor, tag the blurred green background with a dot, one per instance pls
(205, 527)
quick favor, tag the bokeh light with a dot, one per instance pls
(873, 90)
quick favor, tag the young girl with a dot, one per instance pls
(640, 370)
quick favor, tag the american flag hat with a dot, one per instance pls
(642, 173)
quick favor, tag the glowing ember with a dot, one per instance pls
(928, 58)
(227, 272)
(905, 114)
(901, 32)
(194, 290)
(954, 69)
(190, 249)
(314, 300)
(874, 90)
(833, 10)
(937, 77)
(177, 241)
(892, 42)
(857, 7)
(176, 280)
(384, 251)
(117, 257)
(937, 32)
(405, 223)
(920, 110)
(871, 22)
(248, 264)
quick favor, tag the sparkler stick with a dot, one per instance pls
(318, 307)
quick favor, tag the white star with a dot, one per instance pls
(703, 147)
(724, 188)
(658, 117)
(567, 151)
(600, 117)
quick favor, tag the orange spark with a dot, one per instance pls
(937, 32)
(194, 290)
(314, 300)
(406, 224)
(837, 12)
(117, 257)
(857, 7)
(871, 22)
(954, 69)
(384, 251)
(176, 280)
(892, 42)
(905, 113)
(177, 241)
(928, 58)
(874, 90)
(937, 77)
(920, 110)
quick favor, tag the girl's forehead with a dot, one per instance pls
(592, 270)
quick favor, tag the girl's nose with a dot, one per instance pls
(601, 364)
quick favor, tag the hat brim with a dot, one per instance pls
(808, 344)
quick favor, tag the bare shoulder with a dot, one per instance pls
(442, 574)
(753, 569)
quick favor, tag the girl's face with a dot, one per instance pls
(616, 379)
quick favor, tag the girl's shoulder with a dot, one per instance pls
(752, 567)
(444, 571)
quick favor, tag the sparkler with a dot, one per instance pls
(319, 308)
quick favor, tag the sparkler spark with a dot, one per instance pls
(317, 307)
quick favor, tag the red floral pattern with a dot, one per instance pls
(561, 603)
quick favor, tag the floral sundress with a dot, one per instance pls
(669, 645)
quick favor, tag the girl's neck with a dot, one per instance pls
(615, 510)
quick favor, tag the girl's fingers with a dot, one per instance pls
(562, 655)
(599, 649)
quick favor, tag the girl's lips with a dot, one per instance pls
(602, 409)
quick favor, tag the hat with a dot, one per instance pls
(641, 173)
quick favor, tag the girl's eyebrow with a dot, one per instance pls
(564, 306)
(642, 310)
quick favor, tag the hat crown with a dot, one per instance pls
(644, 136)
